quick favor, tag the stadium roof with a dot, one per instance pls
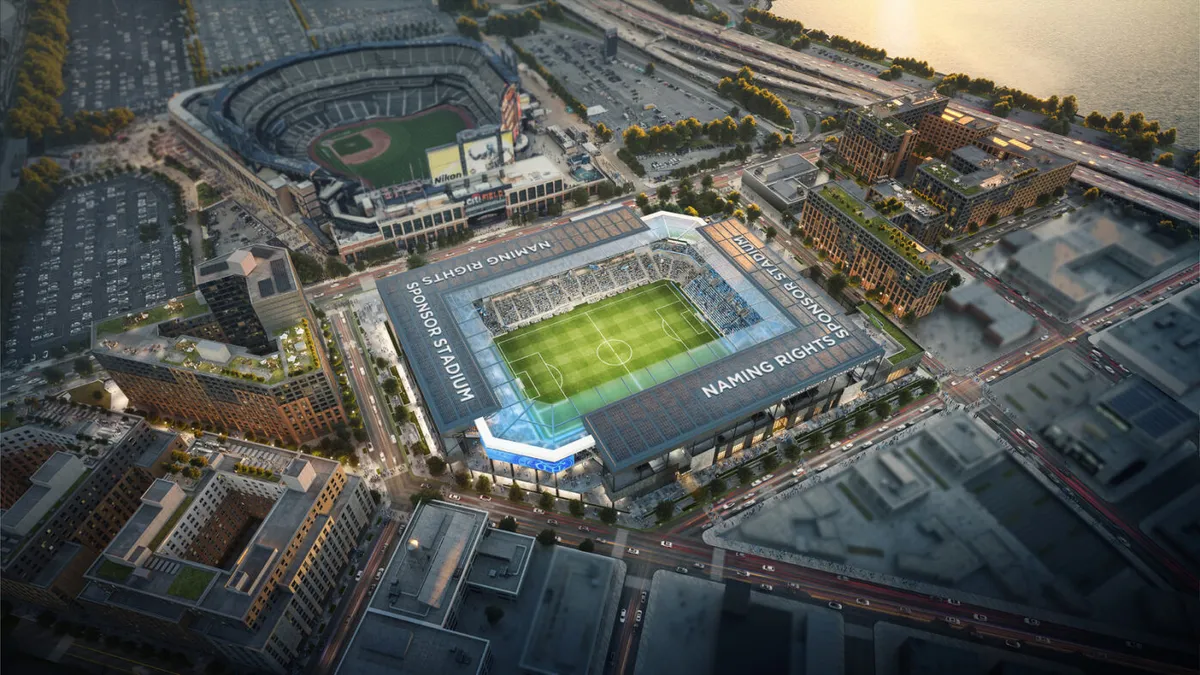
(803, 342)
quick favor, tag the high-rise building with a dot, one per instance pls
(880, 137)
(245, 558)
(923, 220)
(991, 178)
(885, 258)
(205, 363)
(944, 132)
(75, 499)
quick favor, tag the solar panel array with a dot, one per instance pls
(1147, 408)
(214, 268)
(279, 273)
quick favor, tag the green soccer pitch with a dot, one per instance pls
(609, 340)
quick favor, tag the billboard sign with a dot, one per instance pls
(486, 201)
(445, 163)
(510, 110)
(531, 462)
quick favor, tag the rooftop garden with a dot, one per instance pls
(890, 124)
(112, 571)
(945, 174)
(190, 583)
(266, 369)
(255, 472)
(881, 229)
(909, 348)
(178, 308)
(299, 350)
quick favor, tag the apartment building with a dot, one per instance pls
(245, 558)
(942, 133)
(905, 273)
(990, 179)
(879, 138)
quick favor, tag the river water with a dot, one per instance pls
(1113, 55)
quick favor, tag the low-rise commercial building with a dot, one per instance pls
(245, 558)
(1003, 324)
(884, 258)
(784, 181)
(990, 179)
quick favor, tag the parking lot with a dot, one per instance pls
(237, 33)
(124, 54)
(621, 87)
(337, 22)
(92, 263)
(233, 228)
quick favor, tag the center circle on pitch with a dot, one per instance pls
(614, 352)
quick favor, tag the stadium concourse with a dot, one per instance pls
(642, 346)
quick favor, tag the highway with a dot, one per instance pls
(366, 392)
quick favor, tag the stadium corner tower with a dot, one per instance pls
(651, 346)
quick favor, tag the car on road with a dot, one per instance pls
(953, 601)
(822, 467)
(358, 576)
(863, 601)
(835, 605)
(1133, 645)
(425, 486)
(768, 476)
(1020, 433)
(768, 568)
(979, 617)
(884, 428)
(766, 587)
(1109, 308)
(622, 616)
(1012, 643)
(1032, 622)
(698, 566)
(739, 554)
(1044, 338)
(757, 482)
(742, 573)
(798, 471)
(637, 617)
(666, 544)
(584, 528)
(924, 408)
(749, 495)
(551, 521)
(454, 497)
(644, 596)
(990, 378)
(1042, 639)
(1072, 340)
(537, 510)
(952, 621)
(485, 498)
(681, 569)
(633, 551)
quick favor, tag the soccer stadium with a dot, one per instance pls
(650, 345)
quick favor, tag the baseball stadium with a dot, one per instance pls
(649, 346)
(367, 112)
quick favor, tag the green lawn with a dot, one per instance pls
(86, 394)
(190, 583)
(404, 160)
(113, 571)
(607, 341)
(885, 324)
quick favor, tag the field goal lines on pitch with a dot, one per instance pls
(692, 320)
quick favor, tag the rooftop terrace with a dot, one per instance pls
(923, 260)
(183, 307)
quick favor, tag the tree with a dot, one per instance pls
(716, 487)
(608, 515)
(948, 250)
(664, 510)
(468, 27)
(706, 181)
(1166, 159)
(771, 232)
(606, 189)
(415, 260)
(883, 409)
(744, 475)
(771, 462)
(663, 193)
(546, 501)
(1167, 137)
(772, 142)
(1095, 120)
(579, 196)
(52, 374)
(391, 386)
(862, 419)
(576, 507)
(462, 479)
(483, 485)
(493, 614)
(436, 465)
(508, 524)
(546, 537)
(643, 202)
(836, 284)
(307, 268)
(334, 268)
(649, 68)
(587, 546)
(747, 129)
(515, 493)
(83, 365)
(753, 212)
(424, 496)
(817, 440)
(1091, 194)
(839, 429)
